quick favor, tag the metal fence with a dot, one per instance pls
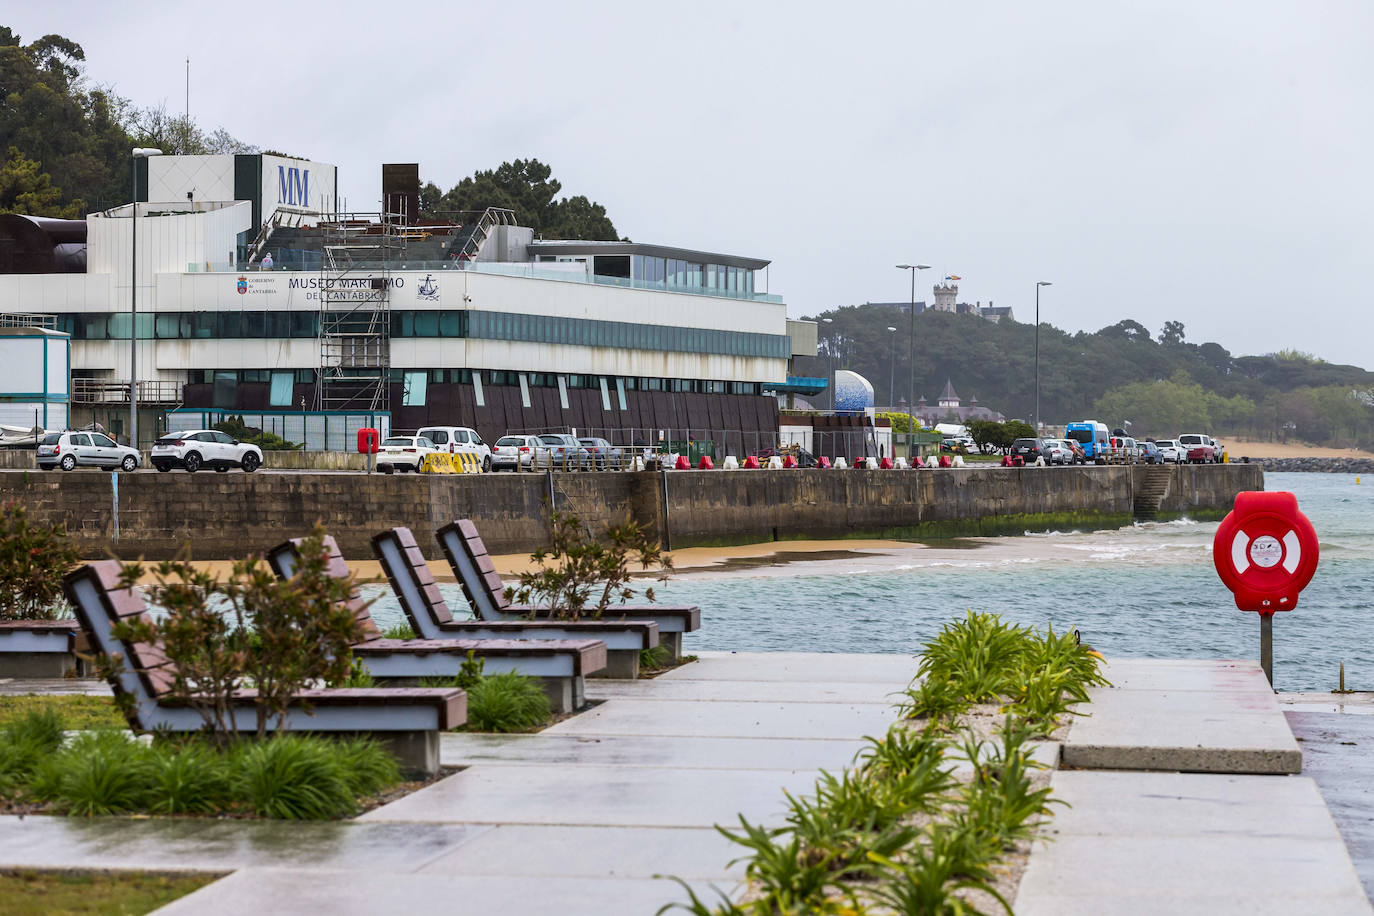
(653, 443)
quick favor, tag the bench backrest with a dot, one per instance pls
(412, 581)
(100, 604)
(284, 557)
(471, 563)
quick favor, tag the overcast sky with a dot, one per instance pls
(1204, 162)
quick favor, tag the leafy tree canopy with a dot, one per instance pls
(528, 187)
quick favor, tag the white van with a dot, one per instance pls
(458, 440)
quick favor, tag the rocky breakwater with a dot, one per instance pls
(1320, 465)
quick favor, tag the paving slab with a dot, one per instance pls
(263, 890)
(1337, 756)
(202, 844)
(724, 719)
(1189, 843)
(695, 752)
(600, 795)
(531, 851)
(797, 666)
(747, 691)
(1234, 725)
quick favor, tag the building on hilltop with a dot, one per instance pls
(948, 405)
(946, 300)
(257, 295)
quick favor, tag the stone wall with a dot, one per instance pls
(230, 515)
(1321, 465)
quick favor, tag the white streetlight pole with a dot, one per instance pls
(830, 351)
(140, 152)
(911, 356)
(1037, 352)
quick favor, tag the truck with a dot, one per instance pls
(1094, 437)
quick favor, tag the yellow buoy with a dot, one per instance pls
(1357, 480)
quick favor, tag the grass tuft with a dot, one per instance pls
(399, 631)
(293, 778)
(189, 779)
(367, 766)
(507, 702)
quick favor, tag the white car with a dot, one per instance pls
(404, 453)
(1169, 450)
(514, 452)
(457, 440)
(194, 449)
(85, 448)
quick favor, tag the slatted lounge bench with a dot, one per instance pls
(430, 617)
(39, 648)
(407, 721)
(560, 665)
(485, 591)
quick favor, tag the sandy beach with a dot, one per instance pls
(1238, 448)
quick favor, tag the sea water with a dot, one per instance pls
(1148, 590)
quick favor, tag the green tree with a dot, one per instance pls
(33, 560)
(1172, 334)
(528, 187)
(27, 190)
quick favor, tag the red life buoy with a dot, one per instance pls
(1265, 551)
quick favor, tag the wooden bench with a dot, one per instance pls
(414, 585)
(407, 721)
(486, 592)
(39, 648)
(560, 665)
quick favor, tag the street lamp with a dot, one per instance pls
(911, 357)
(140, 152)
(830, 351)
(891, 369)
(1037, 352)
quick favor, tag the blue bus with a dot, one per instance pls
(1094, 437)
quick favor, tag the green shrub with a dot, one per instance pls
(100, 773)
(24, 743)
(655, 659)
(189, 779)
(399, 631)
(358, 676)
(368, 767)
(292, 777)
(33, 560)
(507, 702)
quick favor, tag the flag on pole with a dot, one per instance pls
(953, 277)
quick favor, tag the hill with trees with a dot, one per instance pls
(1162, 383)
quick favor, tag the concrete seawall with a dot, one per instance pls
(230, 515)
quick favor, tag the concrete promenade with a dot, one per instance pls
(581, 817)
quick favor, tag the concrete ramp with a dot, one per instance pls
(1203, 716)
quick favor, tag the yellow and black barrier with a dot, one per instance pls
(445, 463)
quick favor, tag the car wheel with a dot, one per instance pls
(192, 462)
(68, 462)
(129, 464)
(251, 462)
(486, 465)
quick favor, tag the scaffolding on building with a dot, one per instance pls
(355, 309)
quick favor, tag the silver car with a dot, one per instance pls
(75, 448)
(514, 453)
(562, 450)
(604, 455)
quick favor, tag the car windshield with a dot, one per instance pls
(1081, 435)
(510, 440)
(551, 440)
(52, 438)
(399, 440)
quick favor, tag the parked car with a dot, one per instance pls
(458, 439)
(194, 449)
(1079, 456)
(1056, 452)
(1030, 449)
(604, 455)
(1123, 449)
(562, 450)
(514, 453)
(403, 453)
(85, 448)
(1199, 448)
(1169, 450)
(1148, 452)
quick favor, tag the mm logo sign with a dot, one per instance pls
(293, 186)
